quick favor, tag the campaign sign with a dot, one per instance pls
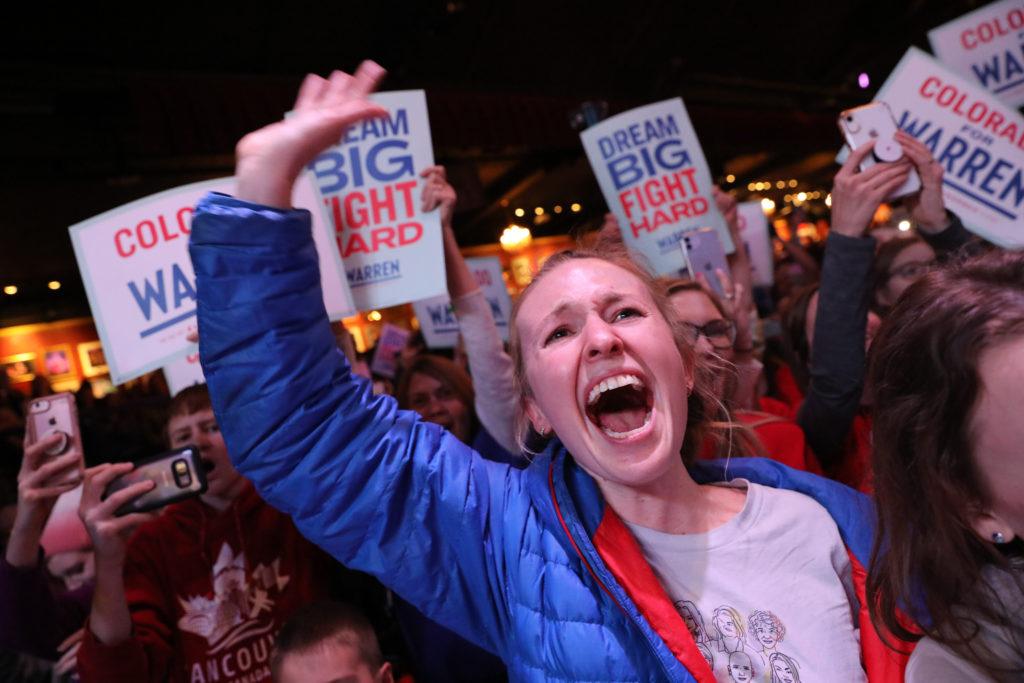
(371, 187)
(986, 46)
(138, 275)
(390, 343)
(978, 140)
(437, 318)
(655, 179)
(758, 242)
(184, 372)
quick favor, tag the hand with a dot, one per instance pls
(68, 650)
(271, 158)
(437, 191)
(41, 481)
(110, 533)
(856, 194)
(927, 207)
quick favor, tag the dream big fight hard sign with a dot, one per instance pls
(138, 275)
(978, 140)
(371, 187)
(655, 179)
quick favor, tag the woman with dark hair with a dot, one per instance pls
(948, 376)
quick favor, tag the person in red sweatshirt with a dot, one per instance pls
(207, 583)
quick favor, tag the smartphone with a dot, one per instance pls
(703, 253)
(56, 414)
(179, 475)
(875, 121)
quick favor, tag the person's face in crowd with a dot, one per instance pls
(998, 434)
(874, 322)
(908, 266)
(201, 429)
(74, 568)
(783, 672)
(437, 402)
(604, 372)
(696, 308)
(331, 662)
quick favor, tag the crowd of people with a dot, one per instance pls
(643, 485)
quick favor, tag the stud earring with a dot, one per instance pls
(998, 538)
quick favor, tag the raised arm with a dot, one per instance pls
(377, 488)
(838, 348)
(489, 364)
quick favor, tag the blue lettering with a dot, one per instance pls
(955, 149)
(183, 289)
(152, 294)
(978, 160)
(1017, 186)
(398, 165)
(987, 71)
(911, 127)
(326, 166)
(995, 175)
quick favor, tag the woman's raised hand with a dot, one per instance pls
(927, 207)
(270, 159)
(857, 194)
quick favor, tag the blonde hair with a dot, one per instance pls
(704, 409)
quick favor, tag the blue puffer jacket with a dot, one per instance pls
(529, 564)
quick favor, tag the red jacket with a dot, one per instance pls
(208, 593)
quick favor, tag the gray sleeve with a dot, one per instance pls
(933, 663)
(950, 239)
(837, 355)
(491, 368)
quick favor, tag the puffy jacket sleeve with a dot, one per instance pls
(377, 488)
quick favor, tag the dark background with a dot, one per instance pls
(101, 105)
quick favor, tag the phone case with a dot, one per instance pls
(703, 253)
(56, 413)
(179, 475)
(875, 121)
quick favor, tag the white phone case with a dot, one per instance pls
(875, 121)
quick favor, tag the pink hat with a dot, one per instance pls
(64, 530)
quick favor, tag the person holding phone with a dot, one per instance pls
(564, 568)
(204, 585)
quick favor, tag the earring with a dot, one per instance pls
(998, 538)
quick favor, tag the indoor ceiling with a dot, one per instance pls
(101, 105)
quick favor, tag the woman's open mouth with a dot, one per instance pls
(620, 406)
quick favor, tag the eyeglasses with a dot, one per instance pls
(913, 270)
(720, 333)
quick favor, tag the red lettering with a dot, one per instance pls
(355, 216)
(121, 250)
(946, 90)
(405, 189)
(408, 233)
(969, 33)
(383, 237)
(141, 236)
(183, 225)
(163, 230)
(995, 119)
(379, 204)
(932, 81)
(981, 108)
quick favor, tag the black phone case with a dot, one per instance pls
(166, 495)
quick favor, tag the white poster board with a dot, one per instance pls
(138, 276)
(390, 343)
(184, 372)
(757, 240)
(437, 319)
(986, 47)
(371, 188)
(656, 181)
(978, 140)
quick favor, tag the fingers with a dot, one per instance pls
(192, 336)
(725, 281)
(310, 92)
(75, 637)
(36, 452)
(128, 523)
(45, 475)
(96, 479)
(367, 77)
(68, 662)
(129, 493)
(852, 163)
(886, 176)
(434, 170)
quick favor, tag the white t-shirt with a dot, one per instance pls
(768, 596)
